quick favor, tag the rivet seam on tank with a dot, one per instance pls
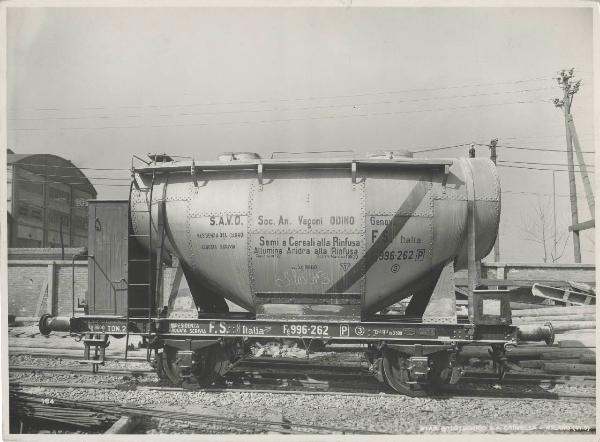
(363, 237)
(133, 207)
(452, 196)
(249, 242)
(141, 203)
(188, 230)
(483, 194)
(177, 198)
(430, 250)
(430, 193)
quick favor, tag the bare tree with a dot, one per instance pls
(540, 228)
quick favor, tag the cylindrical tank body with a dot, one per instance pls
(376, 227)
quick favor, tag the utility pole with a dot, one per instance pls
(494, 157)
(554, 210)
(569, 88)
(589, 193)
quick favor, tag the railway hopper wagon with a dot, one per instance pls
(313, 250)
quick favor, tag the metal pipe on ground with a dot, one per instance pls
(573, 325)
(514, 306)
(582, 342)
(587, 359)
(539, 363)
(556, 311)
(523, 353)
(579, 369)
(566, 317)
(578, 333)
(567, 353)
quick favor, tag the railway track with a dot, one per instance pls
(307, 378)
(295, 376)
(471, 377)
(463, 394)
(72, 353)
(291, 366)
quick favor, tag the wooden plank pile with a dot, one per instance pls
(574, 348)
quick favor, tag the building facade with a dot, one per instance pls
(47, 201)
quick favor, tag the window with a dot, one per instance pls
(36, 213)
(80, 202)
(55, 217)
(32, 187)
(80, 222)
(23, 210)
(59, 195)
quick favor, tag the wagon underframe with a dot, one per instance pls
(386, 329)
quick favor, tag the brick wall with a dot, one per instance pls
(28, 282)
(43, 286)
(32, 271)
(64, 276)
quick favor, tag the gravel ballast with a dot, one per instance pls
(385, 413)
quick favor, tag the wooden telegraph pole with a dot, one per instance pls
(569, 89)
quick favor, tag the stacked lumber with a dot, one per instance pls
(574, 348)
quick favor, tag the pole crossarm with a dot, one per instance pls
(583, 226)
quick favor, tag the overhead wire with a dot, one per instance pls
(65, 167)
(499, 145)
(310, 98)
(531, 148)
(535, 163)
(70, 183)
(541, 194)
(539, 168)
(432, 149)
(328, 106)
(561, 135)
(88, 177)
(284, 120)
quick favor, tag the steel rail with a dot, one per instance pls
(459, 393)
(305, 367)
(78, 370)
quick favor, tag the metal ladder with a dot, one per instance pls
(160, 227)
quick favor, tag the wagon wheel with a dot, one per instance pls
(169, 365)
(397, 375)
(440, 371)
(159, 366)
(208, 364)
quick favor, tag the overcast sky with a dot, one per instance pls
(99, 85)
